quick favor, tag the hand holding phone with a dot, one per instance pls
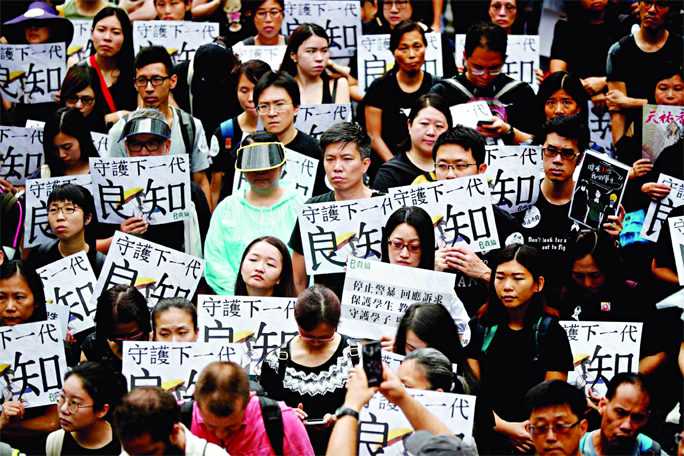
(482, 122)
(372, 362)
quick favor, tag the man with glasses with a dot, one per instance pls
(277, 99)
(557, 421)
(632, 60)
(512, 102)
(154, 80)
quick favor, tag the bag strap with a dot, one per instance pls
(191, 72)
(354, 352)
(103, 84)
(489, 333)
(283, 359)
(186, 413)
(507, 88)
(540, 330)
(187, 126)
(460, 87)
(334, 92)
(55, 442)
(273, 423)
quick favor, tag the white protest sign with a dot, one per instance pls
(600, 127)
(602, 349)
(273, 55)
(522, 57)
(340, 19)
(659, 210)
(333, 231)
(82, 42)
(375, 58)
(32, 363)
(513, 175)
(299, 169)
(35, 124)
(31, 73)
(156, 271)
(382, 425)
(663, 126)
(174, 366)
(101, 141)
(180, 38)
(21, 153)
(315, 119)
(156, 188)
(461, 210)
(59, 315)
(376, 295)
(36, 228)
(468, 114)
(261, 324)
(69, 282)
(677, 235)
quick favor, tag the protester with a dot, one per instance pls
(39, 24)
(426, 368)
(267, 206)
(562, 94)
(409, 239)
(148, 421)
(428, 119)
(173, 10)
(174, 320)
(70, 209)
(504, 13)
(225, 413)
(559, 408)
(309, 373)
(90, 393)
(83, 9)
(346, 156)
(266, 270)
(81, 89)
(306, 58)
(516, 332)
(268, 19)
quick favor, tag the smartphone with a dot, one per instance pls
(372, 362)
(317, 422)
(484, 122)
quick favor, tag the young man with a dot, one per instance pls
(226, 414)
(148, 422)
(546, 225)
(631, 61)
(346, 157)
(485, 54)
(154, 80)
(556, 418)
(624, 411)
(277, 98)
(460, 152)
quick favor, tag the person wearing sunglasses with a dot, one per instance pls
(309, 373)
(122, 314)
(557, 423)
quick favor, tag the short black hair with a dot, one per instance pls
(347, 133)
(569, 127)
(253, 70)
(556, 392)
(315, 306)
(102, 383)
(282, 80)
(77, 195)
(488, 35)
(121, 304)
(147, 410)
(174, 303)
(154, 54)
(626, 378)
(471, 140)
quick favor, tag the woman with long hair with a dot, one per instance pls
(562, 94)
(81, 90)
(266, 270)
(306, 59)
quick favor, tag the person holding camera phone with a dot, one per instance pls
(309, 372)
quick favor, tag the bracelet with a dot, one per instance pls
(510, 134)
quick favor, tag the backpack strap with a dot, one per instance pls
(187, 127)
(489, 332)
(191, 73)
(334, 92)
(283, 359)
(55, 441)
(186, 413)
(273, 423)
(540, 330)
(460, 87)
(354, 352)
(227, 131)
(507, 88)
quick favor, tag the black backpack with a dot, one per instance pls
(270, 411)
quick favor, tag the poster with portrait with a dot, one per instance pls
(662, 127)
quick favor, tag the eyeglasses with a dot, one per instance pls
(401, 4)
(566, 154)
(66, 210)
(446, 167)
(660, 6)
(86, 101)
(558, 429)
(274, 13)
(73, 405)
(395, 244)
(482, 71)
(317, 338)
(156, 81)
(135, 146)
(136, 336)
(265, 108)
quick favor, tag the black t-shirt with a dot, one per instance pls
(71, 448)
(397, 172)
(307, 145)
(510, 368)
(519, 102)
(45, 254)
(386, 95)
(333, 281)
(627, 302)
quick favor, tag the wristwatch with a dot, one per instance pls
(344, 411)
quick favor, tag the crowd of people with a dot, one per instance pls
(235, 119)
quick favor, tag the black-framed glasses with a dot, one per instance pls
(274, 13)
(86, 101)
(401, 4)
(67, 210)
(482, 71)
(558, 429)
(396, 244)
(566, 154)
(155, 80)
(135, 146)
(73, 405)
(446, 167)
(660, 6)
(265, 108)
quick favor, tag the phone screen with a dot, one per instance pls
(372, 362)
